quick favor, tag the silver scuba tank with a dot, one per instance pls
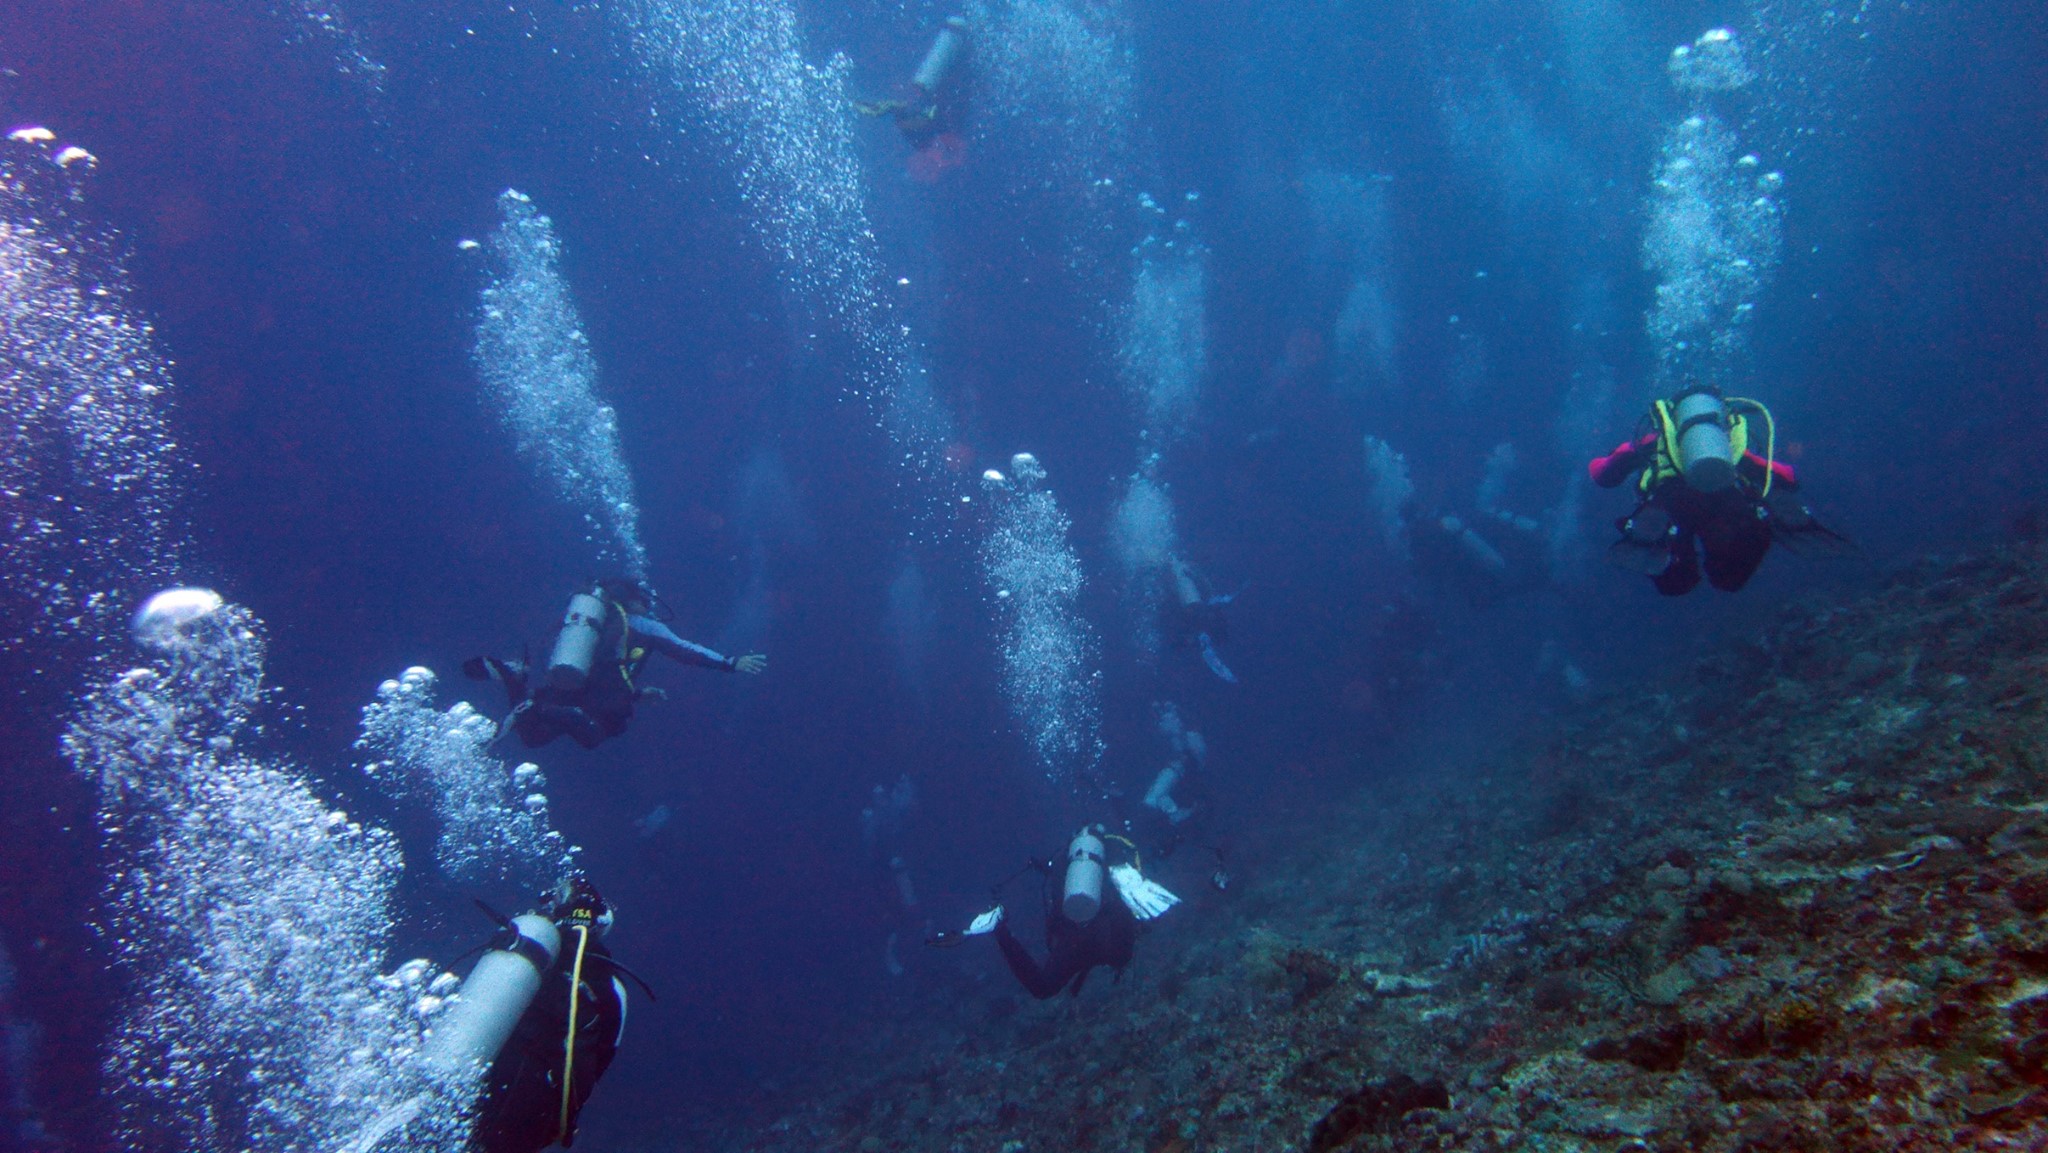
(1083, 896)
(493, 997)
(1705, 454)
(1475, 546)
(576, 644)
(942, 55)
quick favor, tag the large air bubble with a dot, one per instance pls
(170, 620)
(1713, 63)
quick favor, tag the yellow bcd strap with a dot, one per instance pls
(1664, 459)
(628, 657)
(1137, 861)
(1664, 464)
(1770, 440)
(569, 1042)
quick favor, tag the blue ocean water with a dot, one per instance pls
(1264, 289)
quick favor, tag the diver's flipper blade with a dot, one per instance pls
(637, 979)
(1144, 898)
(1638, 557)
(1215, 661)
(1813, 540)
(499, 919)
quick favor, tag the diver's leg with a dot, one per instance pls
(534, 725)
(1735, 548)
(582, 728)
(1683, 575)
(1023, 967)
(539, 724)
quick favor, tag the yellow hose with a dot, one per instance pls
(569, 1042)
(1770, 441)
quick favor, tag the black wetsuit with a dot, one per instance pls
(1072, 949)
(1676, 523)
(521, 1110)
(603, 707)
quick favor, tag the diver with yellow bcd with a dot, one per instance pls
(1707, 495)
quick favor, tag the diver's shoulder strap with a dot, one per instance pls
(1663, 462)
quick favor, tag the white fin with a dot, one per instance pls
(1145, 899)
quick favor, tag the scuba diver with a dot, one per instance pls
(1705, 493)
(1190, 756)
(1082, 930)
(1194, 616)
(923, 110)
(591, 682)
(543, 1009)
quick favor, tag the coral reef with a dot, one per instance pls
(1788, 899)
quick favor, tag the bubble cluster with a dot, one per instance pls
(1056, 82)
(539, 375)
(247, 918)
(1048, 649)
(1390, 493)
(1144, 538)
(1713, 241)
(738, 67)
(325, 21)
(494, 823)
(89, 475)
(1165, 349)
(1351, 217)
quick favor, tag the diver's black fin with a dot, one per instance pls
(1814, 541)
(637, 979)
(1648, 559)
(499, 919)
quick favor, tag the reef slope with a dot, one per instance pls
(1791, 899)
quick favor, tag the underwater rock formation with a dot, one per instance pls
(1788, 899)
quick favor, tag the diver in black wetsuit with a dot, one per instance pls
(1083, 930)
(1193, 617)
(524, 1107)
(591, 685)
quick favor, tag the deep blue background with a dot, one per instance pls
(293, 234)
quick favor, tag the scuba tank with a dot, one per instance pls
(494, 996)
(1083, 895)
(1704, 453)
(1185, 590)
(1475, 546)
(576, 644)
(942, 56)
